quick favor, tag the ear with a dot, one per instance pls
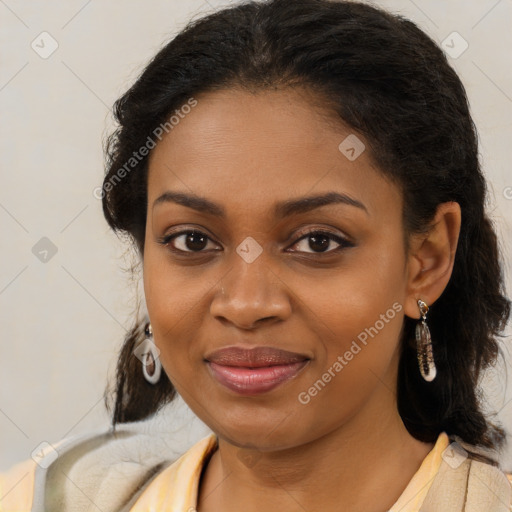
(431, 257)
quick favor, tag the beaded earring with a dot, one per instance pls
(424, 345)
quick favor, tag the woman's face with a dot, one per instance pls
(324, 282)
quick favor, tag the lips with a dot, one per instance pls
(257, 357)
(254, 371)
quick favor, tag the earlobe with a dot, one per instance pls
(431, 258)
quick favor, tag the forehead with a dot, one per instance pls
(248, 150)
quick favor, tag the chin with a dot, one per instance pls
(269, 434)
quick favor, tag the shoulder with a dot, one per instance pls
(489, 488)
(17, 487)
(488, 485)
(467, 481)
(104, 467)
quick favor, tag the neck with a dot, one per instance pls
(371, 455)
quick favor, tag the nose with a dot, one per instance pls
(250, 294)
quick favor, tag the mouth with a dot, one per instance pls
(254, 371)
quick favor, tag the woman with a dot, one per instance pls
(323, 285)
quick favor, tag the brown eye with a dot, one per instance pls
(320, 241)
(186, 241)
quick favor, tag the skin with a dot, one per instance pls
(347, 445)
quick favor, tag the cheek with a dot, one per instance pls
(170, 289)
(354, 295)
(358, 312)
(358, 328)
(176, 298)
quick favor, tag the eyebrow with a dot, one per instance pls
(281, 209)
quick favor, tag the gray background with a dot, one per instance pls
(63, 319)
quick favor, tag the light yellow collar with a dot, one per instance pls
(175, 489)
(414, 494)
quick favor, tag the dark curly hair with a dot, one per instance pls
(388, 81)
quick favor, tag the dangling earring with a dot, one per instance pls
(424, 346)
(148, 355)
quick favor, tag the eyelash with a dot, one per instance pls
(343, 242)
